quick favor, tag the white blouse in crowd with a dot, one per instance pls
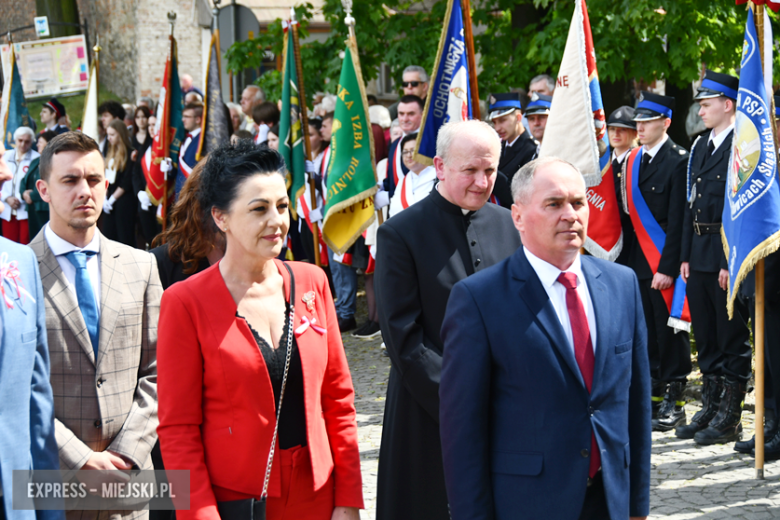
(413, 188)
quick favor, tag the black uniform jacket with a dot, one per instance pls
(662, 185)
(422, 253)
(708, 174)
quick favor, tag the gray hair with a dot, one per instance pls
(146, 99)
(380, 115)
(543, 77)
(449, 131)
(522, 182)
(419, 70)
(24, 130)
(259, 94)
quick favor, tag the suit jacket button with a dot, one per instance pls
(653, 188)
(591, 410)
(97, 423)
(699, 195)
(476, 262)
(473, 243)
(99, 383)
(717, 176)
(698, 180)
(585, 454)
(620, 175)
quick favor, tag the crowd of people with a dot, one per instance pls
(522, 369)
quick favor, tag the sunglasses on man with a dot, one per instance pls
(411, 83)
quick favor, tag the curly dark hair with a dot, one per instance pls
(227, 167)
(192, 233)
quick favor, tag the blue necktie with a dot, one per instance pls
(85, 295)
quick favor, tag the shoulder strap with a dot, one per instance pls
(291, 319)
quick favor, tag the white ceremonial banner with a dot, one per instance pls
(570, 133)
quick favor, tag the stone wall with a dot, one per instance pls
(134, 40)
(17, 13)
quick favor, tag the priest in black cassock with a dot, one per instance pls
(421, 253)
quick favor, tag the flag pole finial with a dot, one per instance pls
(292, 14)
(348, 18)
(97, 48)
(172, 20)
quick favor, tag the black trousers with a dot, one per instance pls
(595, 505)
(723, 344)
(669, 353)
(771, 349)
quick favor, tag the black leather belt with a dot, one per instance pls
(706, 229)
(592, 480)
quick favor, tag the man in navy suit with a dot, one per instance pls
(27, 426)
(545, 384)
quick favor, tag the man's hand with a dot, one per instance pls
(661, 282)
(26, 196)
(14, 202)
(723, 279)
(106, 460)
(685, 271)
(345, 513)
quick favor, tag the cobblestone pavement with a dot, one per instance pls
(688, 481)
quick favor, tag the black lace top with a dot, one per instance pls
(292, 420)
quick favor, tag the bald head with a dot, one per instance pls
(468, 130)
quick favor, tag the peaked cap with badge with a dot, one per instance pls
(653, 106)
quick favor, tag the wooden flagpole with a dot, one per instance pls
(165, 131)
(305, 132)
(758, 16)
(468, 34)
(350, 21)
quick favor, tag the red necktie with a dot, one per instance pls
(583, 349)
(189, 136)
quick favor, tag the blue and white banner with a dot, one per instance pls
(449, 95)
(751, 217)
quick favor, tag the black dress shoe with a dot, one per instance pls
(347, 324)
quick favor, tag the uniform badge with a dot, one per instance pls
(492, 100)
(308, 299)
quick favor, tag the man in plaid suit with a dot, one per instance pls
(102, 304)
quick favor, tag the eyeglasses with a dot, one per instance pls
(408, 153)
(411, 83)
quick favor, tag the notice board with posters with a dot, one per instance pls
(50, 67)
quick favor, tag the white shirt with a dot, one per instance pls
(620, 157)
(549, 274)
(417, 186)
(187, 141)
(12, 188)
(717, 140)
(509, 145)
(262, 133)
(60, 247)
(654, 150)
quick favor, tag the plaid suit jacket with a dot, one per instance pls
(109, 403)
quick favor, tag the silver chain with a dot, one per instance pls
(281, 397)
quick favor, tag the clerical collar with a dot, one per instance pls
(446, 205)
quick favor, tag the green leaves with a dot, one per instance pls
(517, 39)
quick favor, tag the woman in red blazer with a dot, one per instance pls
(222, 344)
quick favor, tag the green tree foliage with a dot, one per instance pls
(642, 39)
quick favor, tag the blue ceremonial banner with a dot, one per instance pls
(449, 95)
(13, 112)
(751, 218)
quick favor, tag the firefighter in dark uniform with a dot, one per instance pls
(771, 347)
(621, 129)
(536, 113)
(662, 185)
(723, 345)
(517, 145)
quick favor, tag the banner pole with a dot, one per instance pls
(468, 34)
(758, 11)
(305, 132)
(350, 21)
(165, 131)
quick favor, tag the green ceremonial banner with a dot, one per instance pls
(290, 134)
(13, 111)
(351, 184)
